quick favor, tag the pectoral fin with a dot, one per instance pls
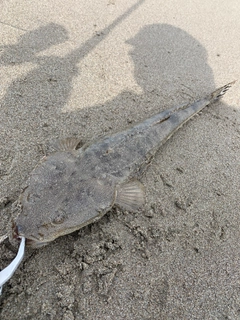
(130, 195)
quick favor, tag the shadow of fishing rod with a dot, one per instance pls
(79, 53)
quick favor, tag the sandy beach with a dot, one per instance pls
(91, 68)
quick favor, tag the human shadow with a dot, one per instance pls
(163, 58)
(169, 66)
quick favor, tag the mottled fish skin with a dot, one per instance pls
(72, 188)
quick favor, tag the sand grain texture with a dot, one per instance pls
(66, 70)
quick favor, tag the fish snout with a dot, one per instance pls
(16, 231)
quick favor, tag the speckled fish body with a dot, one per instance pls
(72, 188)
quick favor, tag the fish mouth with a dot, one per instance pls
(35, 244)
(30, 241)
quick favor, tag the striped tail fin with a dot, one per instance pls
(217, 94)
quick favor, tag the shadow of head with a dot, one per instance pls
(165, 56)
(33, 42)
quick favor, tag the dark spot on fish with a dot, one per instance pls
(51, 80)
(45, 225)
(41, 234)
(162, 120)
(109, 151)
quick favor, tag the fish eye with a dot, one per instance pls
(59, 217)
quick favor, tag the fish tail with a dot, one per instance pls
(217, 94)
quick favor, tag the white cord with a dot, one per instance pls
(7, 273)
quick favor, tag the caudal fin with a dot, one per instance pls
(217, 94)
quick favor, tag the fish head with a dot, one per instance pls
(60, 197)
(40, 219)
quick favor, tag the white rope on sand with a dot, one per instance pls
(7, 273)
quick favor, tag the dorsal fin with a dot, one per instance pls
(67, 144)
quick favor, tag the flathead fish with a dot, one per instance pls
(72, 188)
